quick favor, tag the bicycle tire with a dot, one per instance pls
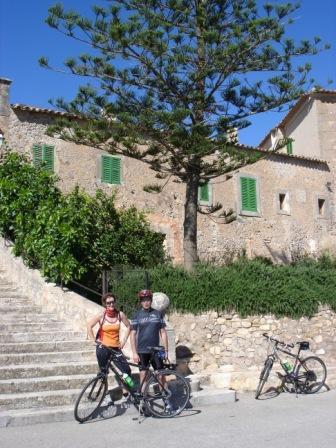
(311, 375)
(264, 376)
(169, 401)
(90, 398)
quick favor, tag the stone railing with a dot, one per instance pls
(65, 304)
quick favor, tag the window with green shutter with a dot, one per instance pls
(289, 146)
(44, 154)
(110, 170)
(203, 193)
(248, 187)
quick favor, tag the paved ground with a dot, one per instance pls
(284, 421)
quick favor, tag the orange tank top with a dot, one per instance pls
(109, 333)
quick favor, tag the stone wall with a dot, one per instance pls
(271, 232)
(229, 350)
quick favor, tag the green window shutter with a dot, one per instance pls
(37, 155)
(110, 172)
(249, 194)
(289, 147)
(115, 170)
(48, 157)
(106, 169)
(203, 193)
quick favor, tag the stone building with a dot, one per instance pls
(284, 202)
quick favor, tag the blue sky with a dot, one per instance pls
(24, 37)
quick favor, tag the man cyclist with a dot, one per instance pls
(147, 327)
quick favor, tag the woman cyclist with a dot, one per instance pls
(108, 336)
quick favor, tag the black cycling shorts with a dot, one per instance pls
(103, 355)
(150, 358)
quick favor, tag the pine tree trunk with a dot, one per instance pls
(190, 222)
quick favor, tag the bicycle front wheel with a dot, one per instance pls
(264, 376)
(166, 394)
(311, 375)
(90, 399)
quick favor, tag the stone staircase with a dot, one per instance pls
(43, 362)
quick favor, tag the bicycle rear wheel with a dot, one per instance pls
(264, 376)
(166, 394)
(90, 398)
(311, 375)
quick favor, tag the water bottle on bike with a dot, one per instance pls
(287, 366)
(128, 380)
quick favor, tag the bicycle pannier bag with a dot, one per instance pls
(304, 345)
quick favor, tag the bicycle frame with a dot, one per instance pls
(275, 357)
(137, 394)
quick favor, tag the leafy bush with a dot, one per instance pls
(70, 236)
(22, 189)
(248, 287)
(251, 287)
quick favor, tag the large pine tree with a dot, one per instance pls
(179, 75)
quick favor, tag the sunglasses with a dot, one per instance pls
(111, 302)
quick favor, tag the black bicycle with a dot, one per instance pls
(307, 375)
(163, 393)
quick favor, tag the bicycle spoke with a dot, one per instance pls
(264, 376)
(90, 398)
(166, 394)
(311, 375)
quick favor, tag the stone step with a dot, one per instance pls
(42, 336)
(22, 317)
(43, 370)
(9, 301)
(17, 309)
(33, 416)
(23, 327)
(5, 285)
(12, 295)
(22, 417)
(48, 357)
(61, 382)
(32, 347)
(38, 399)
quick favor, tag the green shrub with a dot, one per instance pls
(72, 236)
(246, 287)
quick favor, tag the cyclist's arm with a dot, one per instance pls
(127, 324)
(133, 346)
(164, 338)
(91, 323)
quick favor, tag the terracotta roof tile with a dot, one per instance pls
(238, 145)
(42, 110)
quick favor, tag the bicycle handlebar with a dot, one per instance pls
(270, 338)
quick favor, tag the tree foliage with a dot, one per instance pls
(171, 79)
(69, 236)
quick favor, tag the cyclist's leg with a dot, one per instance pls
(122, 364)
(145, 359)
(103, 356)
(157, 364)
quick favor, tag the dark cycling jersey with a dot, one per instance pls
(147, 324)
